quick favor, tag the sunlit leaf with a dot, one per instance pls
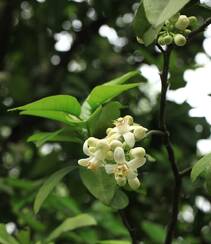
(200, 166)
(59, 103)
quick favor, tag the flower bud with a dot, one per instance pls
(174, 18)
(179, 40)
(161, 40)
(193, 21)
(119, 155)
(134, 183)
(115, 143)
(139, 132)
(182, 22)
(92, 141)
(168, 39)
(129, 119)
(139, 40)
(102, 145)
(138, 152)
(108, 131)
(109, 155)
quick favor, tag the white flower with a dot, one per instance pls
(126, 171)
(97, 151)
(123, 129)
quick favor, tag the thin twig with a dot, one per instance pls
(128, 225)
(185, 172)
(177, 187)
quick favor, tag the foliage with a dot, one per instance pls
(98, 80)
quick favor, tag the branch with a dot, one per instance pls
(177, 187)
(130, 228)
(200, 29)
(185, 172)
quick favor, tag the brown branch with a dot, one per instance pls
(177, 179)
(131, 229)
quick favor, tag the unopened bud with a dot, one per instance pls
(139, 132)
(182, 22)
(179, 40)
(138, 152)
(92, 141)
(161, 40)
(115, 143)
(168, 39)
(193, 21)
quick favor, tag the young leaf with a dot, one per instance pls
(48, 186)
(100, 184)
(157, 12)
(66, 118)
(69, 224)
(122, 79)
(60, 136)
(104, 93)
(200, 166)
(59, 103)
(103, 118)
(5, 238)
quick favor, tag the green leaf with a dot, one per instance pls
(120, 200)
(143, 29)
(157, 12)
(69, 224)
(60, 136)
(49, 185)
(59, 103)
(24, 237)
(5, 238)
(113, 242)
(104, 93)
(100, 184)
(155, 231)
(200, 166)
(208, 179)
(103, 118)
(66, 118)
(122, 79)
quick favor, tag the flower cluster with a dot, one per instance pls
(176, 30)
(116, 152)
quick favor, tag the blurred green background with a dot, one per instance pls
(68, 47)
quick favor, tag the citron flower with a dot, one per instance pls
(126, 171)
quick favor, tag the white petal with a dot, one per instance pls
(136, 163)
(129, 139)
(138, 152)
(84, 162)
(119, 155)
(134, 183)
(132, 174)
(86, 148)
(121, 181)
(110, 168)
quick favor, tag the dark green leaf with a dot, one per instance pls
(49, 185)
(5, 238)
(70, 224)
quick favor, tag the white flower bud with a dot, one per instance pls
(92, 141)
(182, 22)
(108, 131)
(115, 143)
(129, 119)
(139, 132)
(109, 155)
(138, 152)
(134, 183)
(102, 145)
(119, 155)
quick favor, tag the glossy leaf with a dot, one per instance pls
(59, 103)
(59, 136)
(5, 238)
(70, 224)
(157, 12)
(124, 78)
(104, 93)
(200, 166)
(55, 115)
(100, 184)
(49, 185)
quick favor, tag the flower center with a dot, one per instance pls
(121, 170)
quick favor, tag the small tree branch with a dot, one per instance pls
(177, 179)
(128, 225)
(185, 172)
